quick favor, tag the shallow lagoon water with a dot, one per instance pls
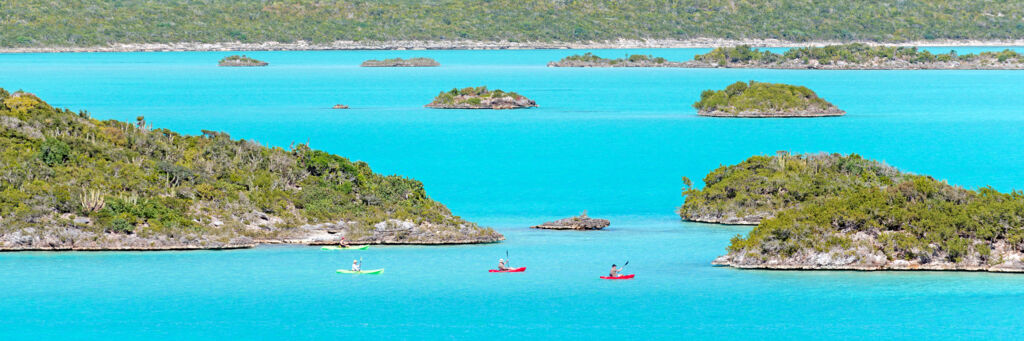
(614, 142)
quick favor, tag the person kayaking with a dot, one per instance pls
(355, 265)
(343, 243)
(501, 265)
(614, 272)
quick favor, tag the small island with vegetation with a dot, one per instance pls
(591, 60)
(480, 98)
(399, 62)
(764, 100)
(581, 222)
(857, 56)
(843, 212)
(71, 182)
(242, 60)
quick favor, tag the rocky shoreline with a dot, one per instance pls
(868, 257)
(722, 220)
(399, 62)
(391, 232)
(816, 112)
(480, 98)
(871, 65)
(579, 223)
(616, 63)
(800, 65)
(487, 103)
(479, 45)
(241, 61)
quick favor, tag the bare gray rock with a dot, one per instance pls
(581, 222)
(867, 255)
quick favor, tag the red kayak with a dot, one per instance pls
(509, 270)
(619, 277)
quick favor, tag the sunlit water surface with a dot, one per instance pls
(614, 142)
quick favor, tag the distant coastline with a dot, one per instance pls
(484, 45)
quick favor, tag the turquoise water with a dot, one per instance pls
(614, 142)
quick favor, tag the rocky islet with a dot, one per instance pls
(240, 61)
(480, 98)
(399, 62)
(580, 223)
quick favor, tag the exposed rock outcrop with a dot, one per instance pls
(581, 222)
(764, 100)
(812, 111)
(241, 61)
(480, 98)
(391, 231)
(71, 238)
(399, 62)
(590, 60)
(339, 106)
(866, 255)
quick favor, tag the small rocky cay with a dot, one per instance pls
(764, 100)
(242, 60)
(399, 62)
(591, 60)
(339, 106)
(581, 222)
(480, 98)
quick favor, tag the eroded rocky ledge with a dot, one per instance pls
(867, 256)
(399, 62)
(581, 222)
(480, 98)
(791, 113)
(236, 60)
(390, 232)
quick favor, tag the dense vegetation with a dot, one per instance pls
(592, 58)
(763, 185)
(819, 202)
(855, 53)
(57, 167)
(101, 22)
(742, 97)
(471, 96)
(913, 218)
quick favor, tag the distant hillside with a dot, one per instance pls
(34, 23)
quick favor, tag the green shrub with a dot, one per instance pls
(53, 151)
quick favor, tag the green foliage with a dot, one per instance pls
(120, 225)
(471, 95)
(240, 59)
(96, 22)
(819, 201)
(854, 53)
(757, 96)
(128, 178)
(591, 58)
(762, 185)
(53, 151)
